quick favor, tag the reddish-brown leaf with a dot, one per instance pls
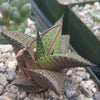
(48, 79)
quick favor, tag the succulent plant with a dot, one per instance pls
(19, 4)
(14, 13)
(26, 10)
(16, 16)
(22, 10)
(43, 69)
(5, 10)
(2, 1)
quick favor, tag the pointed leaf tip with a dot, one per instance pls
(48, 79)
(59, 62)
(40, 48)
(20, 52)
(27, 85)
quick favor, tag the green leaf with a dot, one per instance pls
(22, 27)
(19, 3)
(64, 44)
(40, 48)
(20, 40)
(3, 22)
(12, 28)
(16, 16)
(48, 38)
(2, 1)
(26, 10)
(96, 14)
(6, 9)
(62, 61)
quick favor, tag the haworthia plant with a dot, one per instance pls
(43, 69)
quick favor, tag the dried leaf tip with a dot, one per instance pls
(20, 52)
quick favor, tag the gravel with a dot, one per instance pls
(96, 96)
(2, 67)
(4, 98)
(83, 12)
(1, 89)
(65, 2)
(3, 80)
(31, 28)
(73, 90)
(11, 74)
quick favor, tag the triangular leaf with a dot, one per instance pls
(48, 79)
(48, 38)
(62, 61)
(26, 84)
(29, 61)
(40, 48)
(19, 41)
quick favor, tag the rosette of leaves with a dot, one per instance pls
(42, 69)
(22, 10)
(14, 14)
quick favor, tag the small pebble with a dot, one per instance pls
(12, 64)
(89, 83)
(91, 87)
(10, 95)
(96, 96)
(1, 89)
(12, 88)
(94, 90)
(69, 72)
(11, 74)
(6, 48)
(4, 98)
(38, 99)
(87, 92)
(6, 55)
(22, 95)
(81, 69)
(88, 98)
(2, 67)
(27, 98)
(31, 29)
(82, 97)
(76, 79)
(3, 80)
(66, 2)
(86, 76)
(51, 94)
